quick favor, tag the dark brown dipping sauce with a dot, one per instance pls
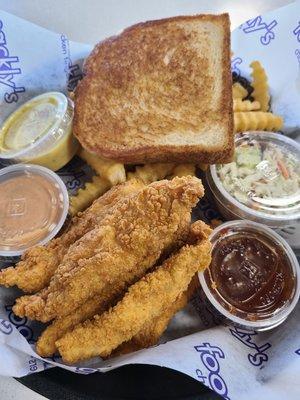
(249, 273)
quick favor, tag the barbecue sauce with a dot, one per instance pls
(250, 274)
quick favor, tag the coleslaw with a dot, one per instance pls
(264, 175)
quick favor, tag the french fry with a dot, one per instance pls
(245, 105)
(184, 170)
(260, 85)
(256, 121)
(111, 170)
(238, 91)
(151, 172)
(88, 194)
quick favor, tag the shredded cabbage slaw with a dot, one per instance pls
(262, 176)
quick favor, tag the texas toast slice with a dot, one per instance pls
(159, 92)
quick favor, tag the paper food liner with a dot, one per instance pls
(236, 363)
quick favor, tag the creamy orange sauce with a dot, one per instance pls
(30, 207)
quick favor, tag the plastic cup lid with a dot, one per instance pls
(36, 122)
(33, 207)
(264, 176)
(245, 226)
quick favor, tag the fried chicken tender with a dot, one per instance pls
(131, 238)
(34, 271)
(151, 332)
(149, 335)
(46, 346)
(144, 301)
(39, 263)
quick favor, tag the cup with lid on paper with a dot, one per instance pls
(33, 207)
(253, 280)
(40, 132)
(262, 183)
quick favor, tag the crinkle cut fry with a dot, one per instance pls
(238, 91)
(258, 120)
(245, 105)
(260, 85)
(39, 263)
(151, 172)
(111, 170)
(134, 234)
(184, 170)
(144, 301)
(89, 193)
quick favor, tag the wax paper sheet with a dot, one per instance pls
(235, 362)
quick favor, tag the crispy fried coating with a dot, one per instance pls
(39, 263)
(46, 347)
(130, 238)
(151, 332)
(144, 301)
(34, 271)
(149, 335)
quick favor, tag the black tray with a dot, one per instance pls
(133, 382)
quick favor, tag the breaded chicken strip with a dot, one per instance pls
(39, 263)
(151, 332)
(145, 300)
(46, 346)
(148, 336)
(131, 238)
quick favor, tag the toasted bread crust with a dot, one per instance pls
(93, 132)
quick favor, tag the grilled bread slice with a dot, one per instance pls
(160, 91)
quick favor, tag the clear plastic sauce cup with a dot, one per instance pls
(253, 280)
(33, 207)
(40, 132)
(262, 184)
